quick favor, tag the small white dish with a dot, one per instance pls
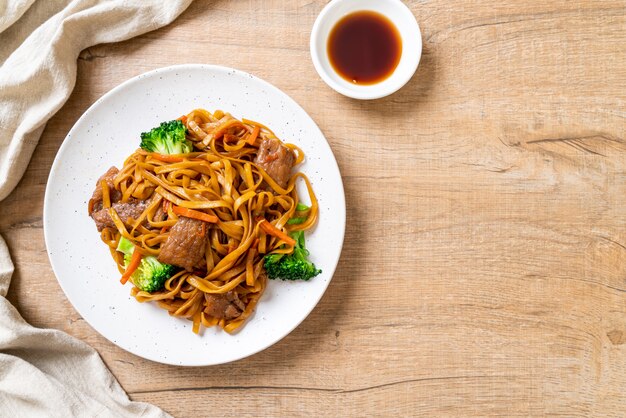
(394, 10)
(104, 136)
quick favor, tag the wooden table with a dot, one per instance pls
(484, 265)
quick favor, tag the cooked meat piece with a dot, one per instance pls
(223, 306)
(185, 247)
(276, 159)
(132, 209)
(95, 203)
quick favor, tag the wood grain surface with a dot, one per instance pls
(484, 265)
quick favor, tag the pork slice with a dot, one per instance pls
(132, 209)
(223, 306)
(186, 245)
(276, 159)
(95, 203)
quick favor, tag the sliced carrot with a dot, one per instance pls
(166, 158)
(190, 213)
(164, 229)
(254, 135)
(183, 119)
(270, 229)
(135, 260)
(165, 205)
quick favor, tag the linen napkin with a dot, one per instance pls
(45, 372)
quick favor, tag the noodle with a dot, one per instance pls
(220, 178)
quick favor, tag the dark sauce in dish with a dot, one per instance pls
(364, 47)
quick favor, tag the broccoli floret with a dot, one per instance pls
(151, 274)
(294, 266)
(168, 138)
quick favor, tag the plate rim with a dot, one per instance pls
(211, 68)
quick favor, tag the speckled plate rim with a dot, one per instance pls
(58, 262)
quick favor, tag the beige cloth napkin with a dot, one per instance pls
(46, 372)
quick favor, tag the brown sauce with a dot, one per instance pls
(364, 47)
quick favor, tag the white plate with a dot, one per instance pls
(104, 136)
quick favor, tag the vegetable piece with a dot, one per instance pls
(131, 266)
(301, 207)
(254, 135)
(294, 266)
(297, 220)
(149, 274)
(125, 246)
(195, 214)
(270, 229)
(168, 138)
